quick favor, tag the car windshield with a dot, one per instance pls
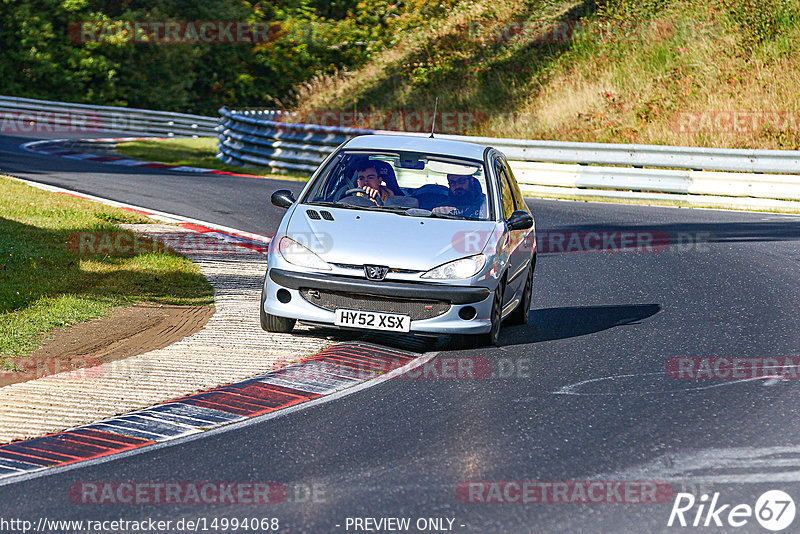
(414, 184)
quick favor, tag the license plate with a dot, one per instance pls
(392, 322)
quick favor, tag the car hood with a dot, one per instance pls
(359, 237)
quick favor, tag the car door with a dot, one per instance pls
(512, 244)
(526, 250)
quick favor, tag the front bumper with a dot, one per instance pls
(449, 322)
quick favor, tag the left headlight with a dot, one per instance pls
(297, 254)
(462, 268)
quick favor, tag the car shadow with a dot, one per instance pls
(546, 324)
(550, 324)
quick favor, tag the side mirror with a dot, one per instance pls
(283, 198)
(520, 220)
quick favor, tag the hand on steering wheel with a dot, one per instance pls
(375, 196)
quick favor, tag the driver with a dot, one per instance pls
(370, 180)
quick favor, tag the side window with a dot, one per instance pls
(506, 196)
(520, 202)
(326, 182)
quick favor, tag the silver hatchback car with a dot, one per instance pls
(403, 234)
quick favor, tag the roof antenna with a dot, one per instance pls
(433, 126)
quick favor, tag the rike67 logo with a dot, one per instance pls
(774, 510)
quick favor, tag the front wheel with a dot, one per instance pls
(278, 325)
(492, 336)
(274, 323)
(521, 314)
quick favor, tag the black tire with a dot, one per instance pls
(273, 323)
(492, 336)
(278, 325)
(521, 313)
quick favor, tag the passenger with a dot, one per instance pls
(465, 197)
(370, 180)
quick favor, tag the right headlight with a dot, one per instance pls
(297, 254)
(458, 269)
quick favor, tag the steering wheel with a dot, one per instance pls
(376, 199)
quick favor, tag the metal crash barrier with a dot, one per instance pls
(26, 116)
(728, 177)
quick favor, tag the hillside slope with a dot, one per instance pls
(721, 73)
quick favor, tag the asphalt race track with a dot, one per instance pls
(581, 393)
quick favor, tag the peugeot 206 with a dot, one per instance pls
(403, 234)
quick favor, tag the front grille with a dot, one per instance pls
(361, 268)
(416, 309)
(350, 266)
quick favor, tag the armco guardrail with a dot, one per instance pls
(735, 177)
(258, 138)
(26, 115)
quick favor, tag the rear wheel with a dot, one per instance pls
(520, 315)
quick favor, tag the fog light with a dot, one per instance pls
(284, 296)
(467, 313)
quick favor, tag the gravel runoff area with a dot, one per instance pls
(231, 347)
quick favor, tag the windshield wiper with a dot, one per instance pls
(332, 204)
(411, 212)
(448, 216)
(394, 209)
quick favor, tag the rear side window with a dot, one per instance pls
(506, 195)
(518, 198)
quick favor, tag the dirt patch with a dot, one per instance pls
(126, 332)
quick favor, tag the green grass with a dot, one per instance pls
(45, 285)
(191, 152)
